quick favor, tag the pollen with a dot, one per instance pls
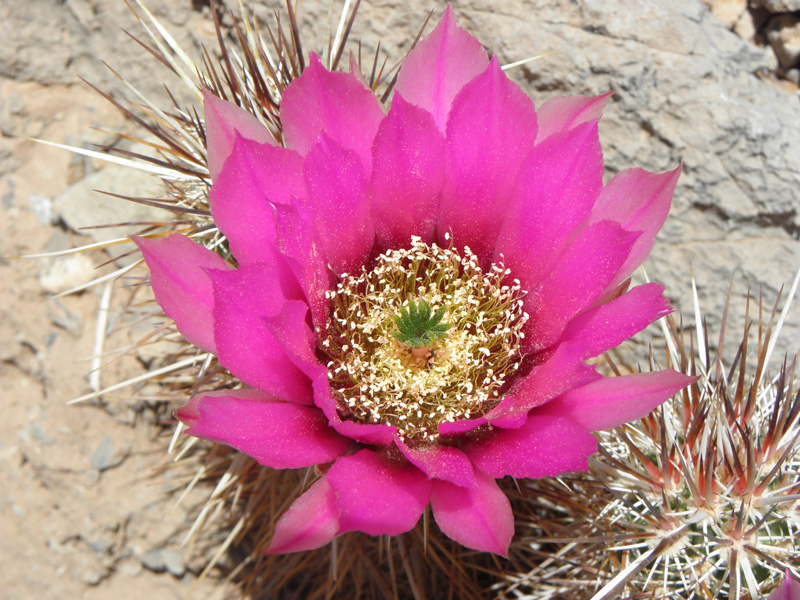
(461, 374)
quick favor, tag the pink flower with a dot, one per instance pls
(788, 590)
(463, 208)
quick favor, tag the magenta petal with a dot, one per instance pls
(557, 186)
(438, 461)
(435, 71)
(338, 196)
(612, 401)
(562, 371)
(545, 446)
(450, 428)
(367, 433)
(407, 175)
(788, 590)
(245, 346)
(278, 434)
(562, 113)
(579, 277)
(311, 521)
(491, 128)
(479, 518)
(336, 103)
(299, 245)
(255, 177)
(639, 201)
(181, 287)
(294, 336)
(223, 121)
(378, 495)
(608, 325)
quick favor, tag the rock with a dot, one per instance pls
(42, 207)
(80, 206)
(173, 561)
(153, 560)
(776, 6)
(62, 317)
(102, 542)
(9, 346)
(66, 272)
(749, 23)
(727, 11)
(92, 575)
(783, 34)
(128, 567)
(39, 434)
(103, 457)
(62, 273)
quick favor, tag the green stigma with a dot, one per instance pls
(417, 327)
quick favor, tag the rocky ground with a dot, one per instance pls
(87, 512)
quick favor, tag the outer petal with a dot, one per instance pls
(245, 345)
(294, 336)
(367, 433)
(491, 128)
(435, 71)
(181, 286)
(279, 434)
(581, 275)
(639, 201)
(440, 462)
(562, 371)
(544, 447)
(608, 325)
(562, 113)
(557, 185)
(336, 103)
(788, 590)
(337, 191)
(612, 401)
(297, 341)
(377, 495)
(224, 121)
(407, 175)
(479, 518)
(298, 243)
(311, 521)
(255, 176)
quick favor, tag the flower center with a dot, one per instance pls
(424, 337)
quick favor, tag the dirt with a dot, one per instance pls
(87, 511)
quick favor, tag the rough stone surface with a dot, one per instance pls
(82, 206)
(728, 11)
(784, 35)
(777, 6)
(687, 90)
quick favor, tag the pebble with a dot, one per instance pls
(154, 560)
(103, 456)
(42, 207)
(66, 272)
(173, 560)
(64, 318)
